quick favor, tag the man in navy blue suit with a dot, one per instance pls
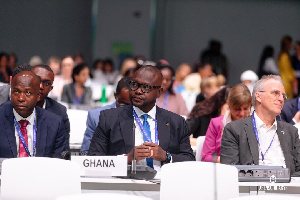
(122, 99)
(45, 134)
(162, 136)
(47, 77)
(290, 112)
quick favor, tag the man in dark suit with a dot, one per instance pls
(162, 136)
(47, 77)
(290, 112)
(260, 139)
(26, 130)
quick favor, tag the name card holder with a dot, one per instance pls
(101, 166)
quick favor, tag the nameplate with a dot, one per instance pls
(99, 166)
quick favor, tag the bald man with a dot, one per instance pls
(160, 136)
(26, 130)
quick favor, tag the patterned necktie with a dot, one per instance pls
(147, 129)
(22, 151)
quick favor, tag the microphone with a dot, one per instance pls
(133, 162)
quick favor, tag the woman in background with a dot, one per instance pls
(182, 71)
(76, 93)
(239, 102)
(170, 100)
(267, 63)
(202, 112)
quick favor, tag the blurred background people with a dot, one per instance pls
(202, 112)
(267, 63)
(249, 78)
(4, 76)
(76, 93)
(78, 58)
(128, 68)
(35, 60)
(67, 65)
(296, 63)
(12, 63)
(181, 72)
(286, 70)
(54, 64)
(239, 103)
(109, 71)
(170, 100)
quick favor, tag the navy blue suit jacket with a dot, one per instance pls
(56, 108)
(114, 134)
(290, 108)
(50, 136)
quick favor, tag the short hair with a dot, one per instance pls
(239, 95)
(258, 86)
(21, 67)
(46, 67)
(123, 83)
(152, 69)
(77, 69)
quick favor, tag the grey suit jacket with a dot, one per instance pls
(114, 134)
(68, 94)
(239, 145)
(4, 93)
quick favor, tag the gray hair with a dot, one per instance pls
(259, 85)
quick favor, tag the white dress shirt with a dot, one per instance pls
(139, 139)
(274, 156)
(29, 128)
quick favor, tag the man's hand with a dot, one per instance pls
(156, 152)
(141, 152)
(297, 117)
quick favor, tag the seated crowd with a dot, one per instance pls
(249, 123)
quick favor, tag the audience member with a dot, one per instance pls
(216, 58)
(170, 100)
(78, 58)
(47, 77)
(76, 93)
(261, 139)
(128, 68)
(209, 86)
(67, 65)
(4, 76)
(54, 64)
(290, 112)
(296, 63)
(35, 60)
(27, 130)
(239, 102)
(12, 62)
(202, 112)
(170, 140)
(110, 73)
(182, 71)
(267, 63)
(249, 78)
(286, 70)
(122, 99)
(97, 72)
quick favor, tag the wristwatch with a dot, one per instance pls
(168, 158)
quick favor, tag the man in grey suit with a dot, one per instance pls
(4, 93)
(260, 139)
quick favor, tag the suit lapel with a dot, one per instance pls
(252, 141)
(10, 127)
(283, 143)
(126, 126)
(41, 134)
(163, 128)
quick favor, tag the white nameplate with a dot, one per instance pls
(97, 166)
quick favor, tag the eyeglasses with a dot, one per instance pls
(277, 93)
(144, 87)
(46, 83)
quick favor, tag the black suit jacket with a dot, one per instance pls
(239, 145)
(56, 108)
(50, 136)
(114, 134)
(290, 108)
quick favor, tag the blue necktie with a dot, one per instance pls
(147, 129)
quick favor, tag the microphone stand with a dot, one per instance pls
(133, 162)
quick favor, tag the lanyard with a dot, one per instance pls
(22, 138)
(256, 135)
(166, 100)
(142, 127)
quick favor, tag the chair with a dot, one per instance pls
(78, 125)
(104, 195)
(200, 142)
(198, 180)
(36, 178)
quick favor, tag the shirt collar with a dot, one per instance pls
(151, 113)
(260, 123)
(30, 118)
